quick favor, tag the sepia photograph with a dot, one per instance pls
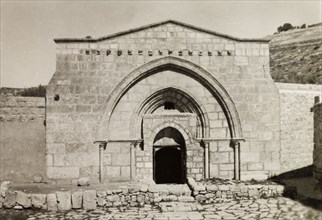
(161, 110)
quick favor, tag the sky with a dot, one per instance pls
(28, 27)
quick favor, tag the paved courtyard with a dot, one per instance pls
(277, 208)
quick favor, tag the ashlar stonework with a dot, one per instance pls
(161, 101)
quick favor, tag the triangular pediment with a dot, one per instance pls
(157, 26)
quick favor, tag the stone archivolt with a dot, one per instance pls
(185, 67)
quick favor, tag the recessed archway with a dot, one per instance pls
(169, 157)
(185, 67)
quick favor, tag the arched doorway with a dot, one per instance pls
(169, 157)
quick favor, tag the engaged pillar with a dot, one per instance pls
(132, 158)
(206, 158)
(101, 146)
(236, 146)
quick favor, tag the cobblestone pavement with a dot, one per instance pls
(277, 208)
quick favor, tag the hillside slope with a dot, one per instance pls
(296, 56)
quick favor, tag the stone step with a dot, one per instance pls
(171, 189)
(180, 206)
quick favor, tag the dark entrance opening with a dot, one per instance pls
(168, 165)
(169, 157)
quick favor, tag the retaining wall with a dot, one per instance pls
(22, 138)
(296, 100)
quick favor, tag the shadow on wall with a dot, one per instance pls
(309, 192)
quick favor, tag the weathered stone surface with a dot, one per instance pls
(253, 192)
(39, 201)
(52, 204)
(18, 207)
(64, 201)
(200, 198)
(4, 187)
(83, 181)
(186, 199)
(101, 193)
(10, 199)
(37, 178)
(101, 201)
(223, 187)
(23, 199)
(89, 199)
(77, 199)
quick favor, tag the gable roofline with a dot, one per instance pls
(94, 40)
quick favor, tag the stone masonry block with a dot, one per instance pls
(249, 157)
(9, 200)
(23, 199)
(219, 157)
(64, 201)
(56, 149)
(214, 170)
(52, 204)
(125, 172)
(89, 199)
(39, 201)
(113, 171)
(274, 166)
(63, 172)
(120, 159)
(59, 159)
(77, 199)
(255, 166)
(223, 167)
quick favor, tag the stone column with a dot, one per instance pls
(236, 146)
(132, 159)
(206, 158)
(102, 146)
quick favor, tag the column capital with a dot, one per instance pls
(135, 142)
(234, 142)
(101, 144)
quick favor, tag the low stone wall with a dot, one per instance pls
(136, 195)
(209, 193)
(22, 138)
(91, 199)
(317, 154)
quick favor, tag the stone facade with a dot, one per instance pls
(128, 89)
(317, 154)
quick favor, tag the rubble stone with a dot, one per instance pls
(9, 199)
(23, 199)
(39, 201)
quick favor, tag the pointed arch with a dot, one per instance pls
(186, 103)
(183, 66)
